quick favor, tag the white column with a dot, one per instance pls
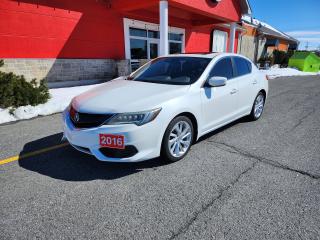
(164, 29)
(232, 40)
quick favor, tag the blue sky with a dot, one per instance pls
(298, 18)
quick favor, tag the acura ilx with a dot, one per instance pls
(164, 106)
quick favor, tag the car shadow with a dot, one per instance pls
(66, 163)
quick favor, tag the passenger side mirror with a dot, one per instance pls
(217, 81)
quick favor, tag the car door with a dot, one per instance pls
(219, 104)
(247, 84)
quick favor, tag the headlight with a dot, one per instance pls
(68, 107)
(138, 118)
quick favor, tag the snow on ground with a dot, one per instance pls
(275, 72)
(60, 99)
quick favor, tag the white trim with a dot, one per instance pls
(228, 26)
(127, 23)
(126, 38)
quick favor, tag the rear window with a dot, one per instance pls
(172, 70)
(243, 66)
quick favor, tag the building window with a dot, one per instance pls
(154, 50)
(175, 37)
(175, 47)
(219, 41)
(142, 40)
(144, 44)
(153, 34)
(175, 43)
(138, 49)
(138, 32)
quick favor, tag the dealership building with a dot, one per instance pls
(97, 40)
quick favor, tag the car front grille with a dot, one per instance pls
(87, 120)
(128, 151)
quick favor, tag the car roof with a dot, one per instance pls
(196, 54)
(205, 55)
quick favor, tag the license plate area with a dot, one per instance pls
(111, 141)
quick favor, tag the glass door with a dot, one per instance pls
(153, 49)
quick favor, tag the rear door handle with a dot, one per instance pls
(255, 81)
(234, 91)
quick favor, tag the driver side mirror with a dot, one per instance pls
(217, 81)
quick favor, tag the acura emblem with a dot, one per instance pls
(76, 117)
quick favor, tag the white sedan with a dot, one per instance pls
(164, 107)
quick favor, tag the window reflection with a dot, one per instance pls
(138, 49)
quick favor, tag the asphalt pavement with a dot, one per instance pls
(248, 180)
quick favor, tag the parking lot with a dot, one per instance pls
(249, 180)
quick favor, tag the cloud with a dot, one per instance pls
(303, 33)
(307, 37)
(315, 39)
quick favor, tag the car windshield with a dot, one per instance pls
(172, 70)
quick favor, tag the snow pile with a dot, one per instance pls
(60, 99)
(5, 116)
(275, 72)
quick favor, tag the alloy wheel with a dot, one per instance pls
(258, 106)
(180, 139)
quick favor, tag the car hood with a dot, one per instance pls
(118, 96)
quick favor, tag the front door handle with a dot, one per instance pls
(234, 91)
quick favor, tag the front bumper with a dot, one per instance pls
(146, 139)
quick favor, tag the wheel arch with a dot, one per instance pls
(264, 93)
(194, 121)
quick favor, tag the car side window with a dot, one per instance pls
(249, 66)
(222, 68)
(243, 66)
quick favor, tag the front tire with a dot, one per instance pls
(258, 107)
(177, 139)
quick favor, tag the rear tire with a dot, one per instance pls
(177, 139)
(258, 107)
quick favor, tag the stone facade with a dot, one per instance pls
(143, 61)
(123, 68)
(248, 47)
(60, 70)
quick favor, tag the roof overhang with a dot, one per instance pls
(267, 30)
(191, 12)
(228, 26)
(279, 35)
